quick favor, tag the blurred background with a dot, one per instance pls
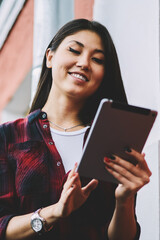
(26, 28)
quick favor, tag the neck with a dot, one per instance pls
(63, 111)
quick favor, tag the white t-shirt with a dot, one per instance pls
(69, 146)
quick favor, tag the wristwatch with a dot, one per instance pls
(38, 223)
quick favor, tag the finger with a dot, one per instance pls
(70, 181)
(129, 186)
(140, 158)
(120, 172)
(137, 170)
(90, 187)
(66, 196)
(72, 172)
(126, 177)
(69, 191)
(143, 154)
(121, 163)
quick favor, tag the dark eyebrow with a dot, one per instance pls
(82, 45)
(99, 51)
(79, 43)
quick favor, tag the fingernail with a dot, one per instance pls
(106, 159)
(112, 157)
(127, 149)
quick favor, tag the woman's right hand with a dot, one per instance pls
(73, 195)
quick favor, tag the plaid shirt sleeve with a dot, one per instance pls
(7, 199)
(27, 164)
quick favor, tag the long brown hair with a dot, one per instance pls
(111, 86)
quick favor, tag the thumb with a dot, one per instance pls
(90, 187)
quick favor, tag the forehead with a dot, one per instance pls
(86, 37)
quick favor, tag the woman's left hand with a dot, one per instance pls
(131, 177)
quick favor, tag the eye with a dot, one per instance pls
(73, 50)
(97, 60)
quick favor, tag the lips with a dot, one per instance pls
(79, 76)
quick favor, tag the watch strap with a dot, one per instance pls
(45, 228)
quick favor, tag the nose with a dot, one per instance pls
(83, 62)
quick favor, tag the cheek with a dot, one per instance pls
(99, 76)
(97, 83)
(58, 70)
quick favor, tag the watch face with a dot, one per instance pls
(37, 224)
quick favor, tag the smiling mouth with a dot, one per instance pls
(79, 76)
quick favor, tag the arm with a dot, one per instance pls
(123, 224)
(72, 197)
(19, 227)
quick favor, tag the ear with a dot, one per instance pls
(49, 56)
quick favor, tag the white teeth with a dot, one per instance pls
(79, 76)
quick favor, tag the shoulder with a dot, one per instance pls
(21, 121)
(17, 128)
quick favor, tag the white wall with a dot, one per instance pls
(134, 26)
(18, 106)
(148, 198)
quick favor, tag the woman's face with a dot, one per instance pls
(77, 65)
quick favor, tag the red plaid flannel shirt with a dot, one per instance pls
(32, 176)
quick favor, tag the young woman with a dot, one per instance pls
(41, 194)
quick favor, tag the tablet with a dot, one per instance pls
(116, 126)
